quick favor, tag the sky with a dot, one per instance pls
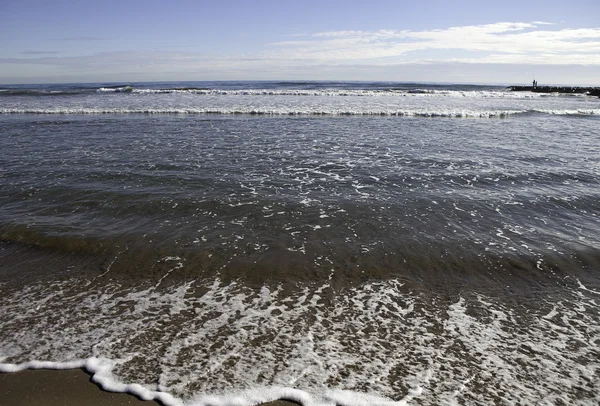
(499, 42)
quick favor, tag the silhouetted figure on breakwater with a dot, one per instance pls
(534, 84)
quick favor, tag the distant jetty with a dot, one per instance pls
(592, 91)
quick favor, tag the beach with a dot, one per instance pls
(66, 388)
(329, 243)
(53, 388)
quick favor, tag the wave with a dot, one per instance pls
(292, 112)
(378, 343)
(330, 92)
(101, 370)
(504, 94)
(318, 92)
(116, 89)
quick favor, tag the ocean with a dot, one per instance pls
(332, 243)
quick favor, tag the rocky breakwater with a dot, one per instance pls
(591, 91)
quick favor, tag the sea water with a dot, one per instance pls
(232, 243)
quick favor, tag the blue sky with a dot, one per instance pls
(432, 41)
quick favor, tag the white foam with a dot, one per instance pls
(280, 112)
(202, 343)
(115, 89)
(294, 112)
(101, 370)
(413, 93)
(429, 103)
(582, 286)
(41, 365)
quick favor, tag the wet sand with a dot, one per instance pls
(65, 388)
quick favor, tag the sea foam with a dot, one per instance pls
(308, 112)
(208, 343)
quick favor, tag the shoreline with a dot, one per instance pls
(68, 387)
(590, 91)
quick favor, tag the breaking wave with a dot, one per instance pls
(308, 112)
(378, 343)
(332, 92)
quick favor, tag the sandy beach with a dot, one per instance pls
(65, 388)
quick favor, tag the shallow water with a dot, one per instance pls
(338, 254)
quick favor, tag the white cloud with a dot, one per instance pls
(505, 38)
(355, 52)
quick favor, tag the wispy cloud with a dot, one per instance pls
(514, 40)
